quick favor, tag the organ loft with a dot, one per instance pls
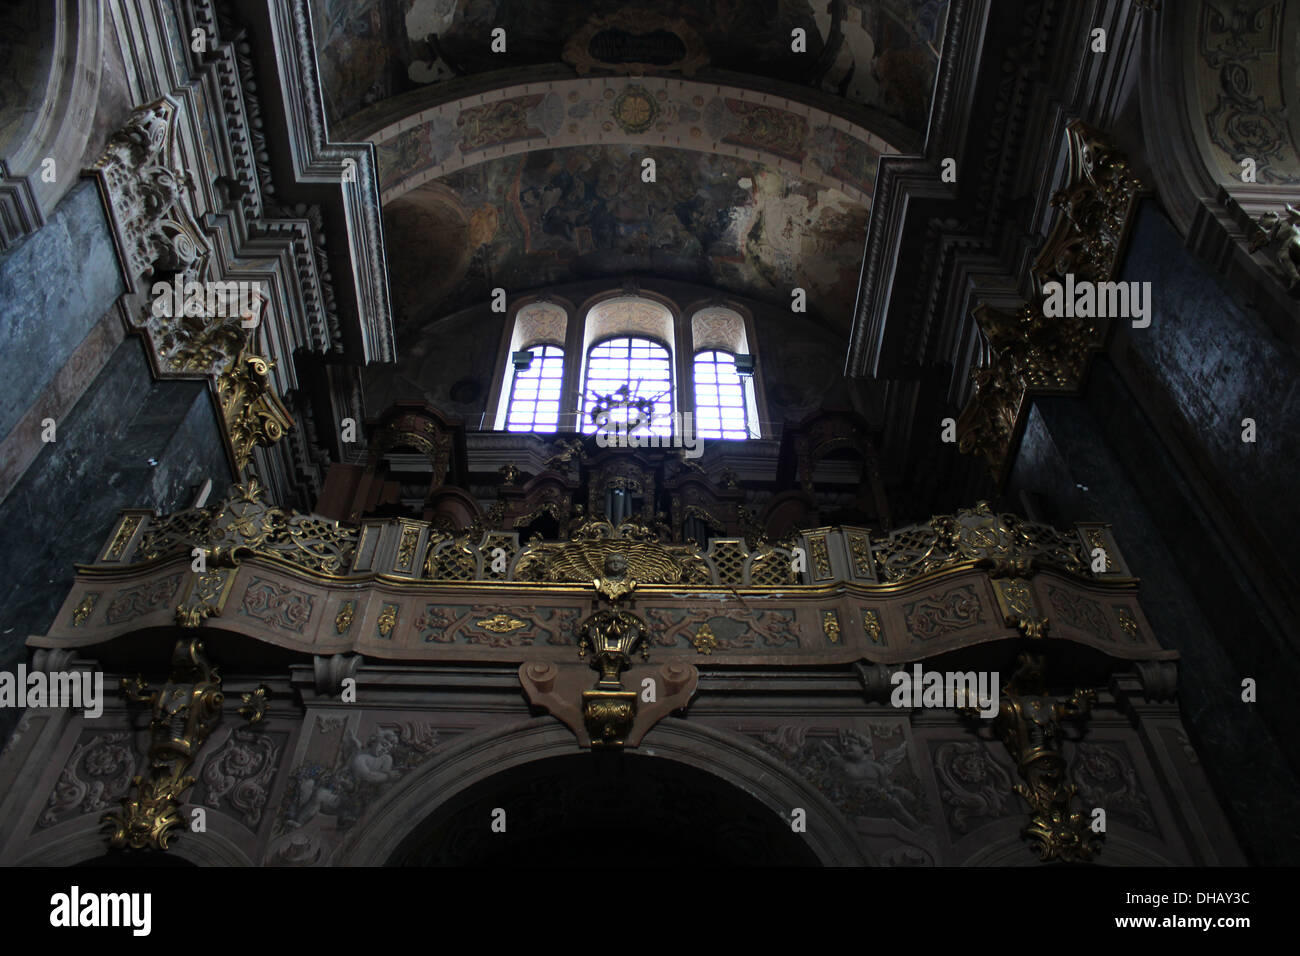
(759, 433)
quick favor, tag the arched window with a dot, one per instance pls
(720, 406)
(632, 377)
(632, 355)
(535, 392)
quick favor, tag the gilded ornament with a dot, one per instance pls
(616, 562)
(501, 623)
(821, 557)
(831, 626)
(253, 414)
(1029, 725)
(245, 524)
(255, 701)
(860, 549)
(83, 610)
(343, 620)
(124, 532)
(1127, 622)
(871, 624)
(185, 711)
(1019, 609)
(406, 548)
(704, 640)
(611, 637)
(387, 620)
(1005, 543)
(206, 598)
(1035, 353)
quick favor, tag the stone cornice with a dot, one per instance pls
(1013, 76)
(340, 176)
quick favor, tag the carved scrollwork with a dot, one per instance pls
(1006, 542)
(140, 174)
(639, 559)
(1029, 724)
(253, 413)
(185, 711)
(244, 525)
(240, 773)
(1032, 352)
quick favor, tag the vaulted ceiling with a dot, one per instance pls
(524, 169)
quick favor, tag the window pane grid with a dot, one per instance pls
(535, 392)
(643, 367)
(720, 410)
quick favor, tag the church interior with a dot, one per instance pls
(746, 432)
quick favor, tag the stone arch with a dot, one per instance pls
(1235, 81)
(83, 839)
(52, 74)
(1013, 850)
(730, 759)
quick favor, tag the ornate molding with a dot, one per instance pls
(20, 209)
(185, 711)
(635, 23)
(253, 414)
(244, 525)
(143, 184)
(1029, 725)
(614, 560)
(1005, 543)
(1034, 353)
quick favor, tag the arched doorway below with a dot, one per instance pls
(597, 808)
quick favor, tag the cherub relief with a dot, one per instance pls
(1273, 228)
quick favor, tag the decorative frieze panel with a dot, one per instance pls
(95, 776)
(953, 610)
(495, 626)
(344, 767)
(320, 587)
(975, 788)
(741, 629)
(867, 770)
(277, 605)
(238, 776)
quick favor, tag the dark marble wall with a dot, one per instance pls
(1213, 361)
(1154, 446)
(65, 505)
(54, 286)
(1100, 458)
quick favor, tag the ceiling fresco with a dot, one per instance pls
(650, 111)
(881, 54)
(557, 215)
